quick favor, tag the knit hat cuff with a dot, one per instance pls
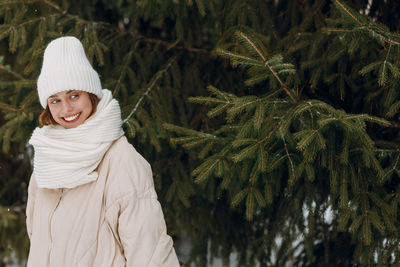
(68, 78)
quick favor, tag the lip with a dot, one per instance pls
(74, 120)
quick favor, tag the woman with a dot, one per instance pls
(91, 197)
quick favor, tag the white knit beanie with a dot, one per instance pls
(66, 67)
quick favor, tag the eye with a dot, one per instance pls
(74, 96)
(54, 101)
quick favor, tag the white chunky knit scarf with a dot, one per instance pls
(67, 158)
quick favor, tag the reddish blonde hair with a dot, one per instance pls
(45, 117)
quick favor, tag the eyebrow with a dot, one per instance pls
(68, 92)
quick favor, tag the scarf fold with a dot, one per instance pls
(67, 158)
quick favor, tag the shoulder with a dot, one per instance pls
(128, 172)
(122, 152)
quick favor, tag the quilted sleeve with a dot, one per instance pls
(138, 218)
(142, 232)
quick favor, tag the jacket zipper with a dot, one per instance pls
(50, 222)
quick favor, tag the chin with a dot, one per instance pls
(69, 125)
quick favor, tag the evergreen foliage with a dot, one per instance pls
(271, 126)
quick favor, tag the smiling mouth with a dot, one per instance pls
(72, 118)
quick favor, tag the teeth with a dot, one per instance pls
(72, 117)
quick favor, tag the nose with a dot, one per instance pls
(67, 108)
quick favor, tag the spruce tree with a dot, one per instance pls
(271, 126)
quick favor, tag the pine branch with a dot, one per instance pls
(136, 35)
(64, 12)
(156, 77)
(265, 62)
(203, 171)
(362, 26)
(5, 69)
(169, 45)
(383, 74)
(238, 58)
(4, 106)
(28, 22)
(338, 30)
(25, 2)
(348, 12)
(391, 170)
(287, 153)
(127, 61)
(241, 34)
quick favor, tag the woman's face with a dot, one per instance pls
(70, 108)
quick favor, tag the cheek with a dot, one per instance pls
(88, 106)
(53, 112)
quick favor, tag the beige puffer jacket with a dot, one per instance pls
(113, 221)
